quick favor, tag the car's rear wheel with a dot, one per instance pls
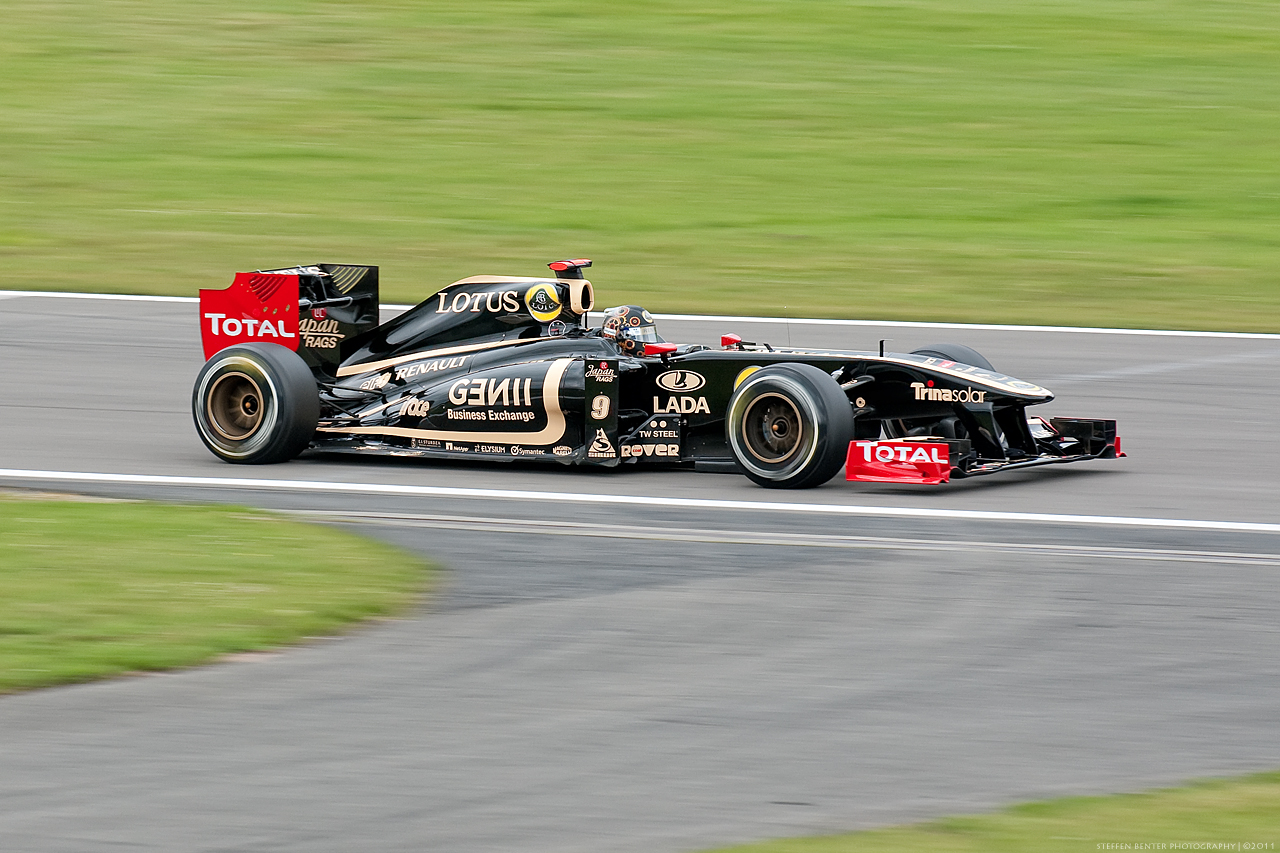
(789, 426)
(255, 404)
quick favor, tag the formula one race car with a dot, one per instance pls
(499, 367)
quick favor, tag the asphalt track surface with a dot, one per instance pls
(658, 661)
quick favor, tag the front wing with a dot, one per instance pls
(930, 460)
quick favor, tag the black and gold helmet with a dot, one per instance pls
(631, 327)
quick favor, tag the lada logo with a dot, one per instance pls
(681, 406)
(680, 380)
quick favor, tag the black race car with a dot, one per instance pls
(498, 367)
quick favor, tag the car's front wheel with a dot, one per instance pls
(956, 352)
(789, 426)
(256, 403)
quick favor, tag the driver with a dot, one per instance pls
(630, 327)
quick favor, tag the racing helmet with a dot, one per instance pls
(631, 327)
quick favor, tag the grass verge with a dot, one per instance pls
(1212, 815)
(1089, 162)
(89, 590)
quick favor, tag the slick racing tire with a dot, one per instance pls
(256, 404)
(789, 426)
(956, 352)
(951, 427)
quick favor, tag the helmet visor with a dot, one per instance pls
(645, 334)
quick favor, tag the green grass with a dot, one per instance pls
(1236, 811)
(89, 590)
(983, 160)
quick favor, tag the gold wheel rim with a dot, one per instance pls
(235, 406)
(772, 428)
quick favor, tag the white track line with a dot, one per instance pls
(110, 297)
(719, 318)
(628, 500)
(997, 327)
(789, 540)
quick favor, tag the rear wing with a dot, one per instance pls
(315, 311)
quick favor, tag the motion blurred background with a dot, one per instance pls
(1082, 162)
